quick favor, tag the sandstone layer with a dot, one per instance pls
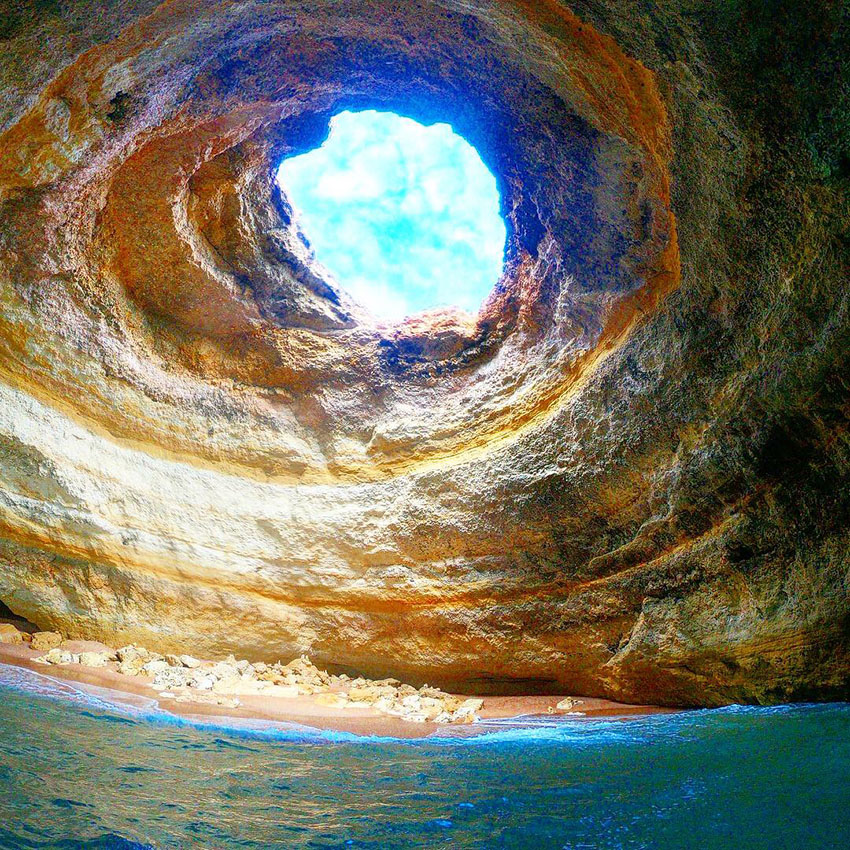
(626, 477)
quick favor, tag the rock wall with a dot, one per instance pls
(627, 476)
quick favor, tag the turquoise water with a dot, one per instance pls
(76, 772)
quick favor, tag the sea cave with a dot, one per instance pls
(422, 374)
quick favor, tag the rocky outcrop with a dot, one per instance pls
(9, 634)
(45, 641)
(627, 476)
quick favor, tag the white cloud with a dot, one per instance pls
(405, 216)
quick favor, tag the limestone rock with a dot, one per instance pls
(157, 665)
(133, 653)
(95, 659)
(228, 685)
(44, 641)
(626, 475)
(468, 711)
(219, 683)
(9, 634)
(369, 693)
(59, 656)
(131, 666)
(173, 677)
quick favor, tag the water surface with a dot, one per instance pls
(78, 772)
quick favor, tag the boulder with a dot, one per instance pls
(44, 641)
(9, 634)
(131, 666)
(431, 708)
(226, 685)
(173, 677)
(158, 665)
(225, 669)
(133, 652)
(270, 675)
(59, 656)
(468, 711)
(370, 693)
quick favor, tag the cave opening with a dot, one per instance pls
(406, 217)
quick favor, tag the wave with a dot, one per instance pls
(108, 841)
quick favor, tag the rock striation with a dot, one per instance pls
(626, 477)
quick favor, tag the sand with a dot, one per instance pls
(305, 710)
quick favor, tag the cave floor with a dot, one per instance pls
(515, 710)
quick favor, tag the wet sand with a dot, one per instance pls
(305, 710)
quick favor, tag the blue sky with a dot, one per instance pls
(406, 217)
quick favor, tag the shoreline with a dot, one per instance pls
(308, 712)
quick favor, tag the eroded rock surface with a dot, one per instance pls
(627, 476)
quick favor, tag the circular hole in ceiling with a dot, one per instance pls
(405, 216)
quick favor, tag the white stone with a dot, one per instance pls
(60, 656)
(95, 659)
(155, 666)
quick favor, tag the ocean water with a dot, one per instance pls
(78, 772)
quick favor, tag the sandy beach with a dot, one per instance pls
(307, 710)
